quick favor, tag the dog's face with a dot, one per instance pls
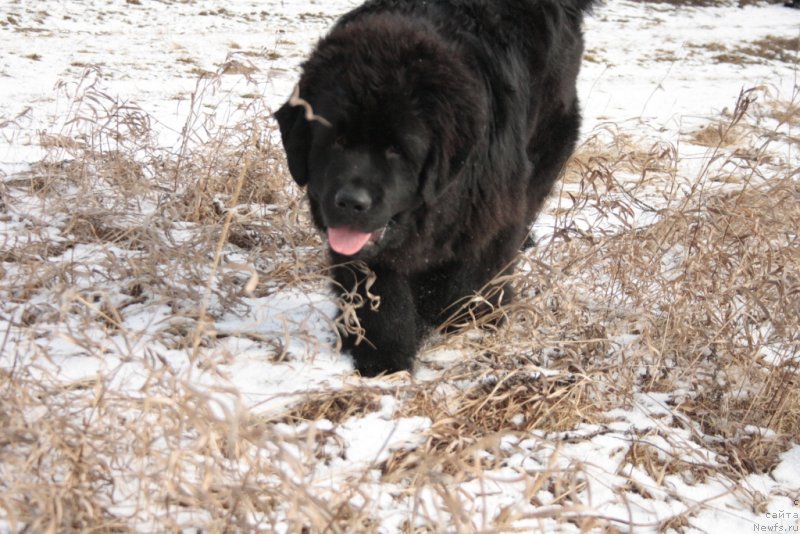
(363, 172)
(381, 122)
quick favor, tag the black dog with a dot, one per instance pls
(429, 133)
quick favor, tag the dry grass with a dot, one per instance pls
(698, 301)
(711, 3)
(710, 290)
(768, 49)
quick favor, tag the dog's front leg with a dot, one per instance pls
(387, 336)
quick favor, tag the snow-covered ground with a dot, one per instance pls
(83, 326)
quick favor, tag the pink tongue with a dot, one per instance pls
(346, 241)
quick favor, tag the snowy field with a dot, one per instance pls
(167, 341)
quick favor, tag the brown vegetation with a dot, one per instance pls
(699, 301)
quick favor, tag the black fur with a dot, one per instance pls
(442, 127)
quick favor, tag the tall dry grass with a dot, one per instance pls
(652, 281)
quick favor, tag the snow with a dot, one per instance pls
(656, 59)
(647, 68)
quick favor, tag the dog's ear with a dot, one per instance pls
(442, 167)
(296, 137)
(436, 176)
(429, 178)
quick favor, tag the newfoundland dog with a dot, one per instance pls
(428, 134)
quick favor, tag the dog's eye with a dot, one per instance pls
(392, 152)
(339, 141)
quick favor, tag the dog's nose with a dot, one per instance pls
(353, 198)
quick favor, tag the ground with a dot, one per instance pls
(168, 343)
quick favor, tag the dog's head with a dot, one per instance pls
(382, 120)
(362, 170)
